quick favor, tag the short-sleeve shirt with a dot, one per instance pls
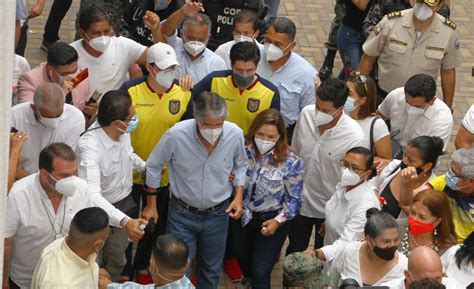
(380, 129)
(110, 70)
(242, 105)
(206, 63)
(468, 120)
(437, 119)
(156, 113)
(401, 55)
(295, 82)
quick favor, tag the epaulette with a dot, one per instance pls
(449, 23)
(394, 14)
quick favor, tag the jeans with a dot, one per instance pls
(205, 236)
(59, 9)
(300, 234)
(272, 11)
(339, 11)
(256, 253)
(349, 42)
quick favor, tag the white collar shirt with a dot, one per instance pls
(463, 275)
(71, 125)
(346, 216)
(436, 120)
(346, 265)
(107, 165)
(223, 51)
(32, 223)
(206, 63)
(59, 267)
(321, 155)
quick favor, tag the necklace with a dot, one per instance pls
(56, 234)
(405, 244)
(429, 244)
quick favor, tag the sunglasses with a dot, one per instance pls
(360, 78)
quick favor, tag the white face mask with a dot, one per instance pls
(322, 118)
(422, 11)
(68, 186)
(349, 178)
(165, 78)
(413, 110)
(272, 52)
(194, 47)
(242, 38)
(50, 122)
(264, 146)
(100, 43)
(211, 134)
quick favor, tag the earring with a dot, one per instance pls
(435, 233)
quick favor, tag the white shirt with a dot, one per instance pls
(380, 129)
(71, 125)
(463, 276)
(107, 165)
(21, 66)
(321, 155)
(223, 51)
(60, 268)
(206, 63)
(109, 70)
(468, 120)
(435, 121)
(31, 225)
(346, 264)
(399, 283)
(346, 216)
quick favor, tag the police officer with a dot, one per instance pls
(222, 14)
(412, 41)
(380, 8)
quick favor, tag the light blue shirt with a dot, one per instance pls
(206, 63)
(295, 81)
(199, 179)
(182, 283)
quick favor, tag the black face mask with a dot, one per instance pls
(386, 254)
(419, 170)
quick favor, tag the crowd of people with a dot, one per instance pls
(172, 139)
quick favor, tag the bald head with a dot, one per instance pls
(423, 263)
(49, 97)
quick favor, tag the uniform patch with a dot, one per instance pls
(449, 23)
(398, 42)
(253, 104)
(394, 14)
(457, 43)
(174, 106)
(435, 48)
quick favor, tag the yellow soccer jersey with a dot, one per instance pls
(242, 105)
(156, 114)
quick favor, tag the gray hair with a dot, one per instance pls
(465, 159)
(285, 25)
(50, 96)
(205, 20)
(377, 221)
(209, 104)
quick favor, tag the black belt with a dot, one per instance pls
(196, 210)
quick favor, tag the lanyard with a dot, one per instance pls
(56, 234)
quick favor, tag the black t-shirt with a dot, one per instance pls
(133, 26)
(354, 17)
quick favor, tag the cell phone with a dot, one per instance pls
(13, 130)
(80, 77)
(94, 97)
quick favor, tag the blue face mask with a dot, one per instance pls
(132, 125)
(349, 106)
(452, 180)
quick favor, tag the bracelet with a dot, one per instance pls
(145, 188)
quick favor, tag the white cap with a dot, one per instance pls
(162, 55)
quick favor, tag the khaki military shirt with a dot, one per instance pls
(401, 55)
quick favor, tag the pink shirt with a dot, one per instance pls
(33, 78)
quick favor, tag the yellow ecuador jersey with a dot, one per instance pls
(242, 105)
(156, 113)
(462, 208)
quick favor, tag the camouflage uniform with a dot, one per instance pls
(383, 7)
(301, 270)
(340, 11)
(115, 8)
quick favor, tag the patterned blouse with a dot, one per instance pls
(273, 186)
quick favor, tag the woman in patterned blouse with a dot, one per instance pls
(272, 196)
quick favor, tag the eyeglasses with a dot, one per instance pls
(345, 165)
(360, 78)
